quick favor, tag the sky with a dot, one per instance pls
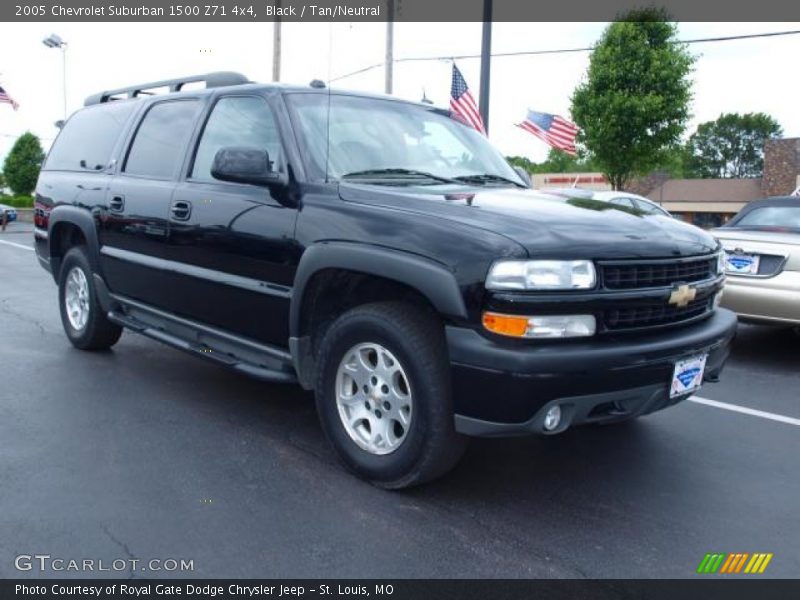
(736, 76)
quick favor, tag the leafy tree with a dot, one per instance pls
(557, 162)
(731, 146)
(633, 104)
(22, 165)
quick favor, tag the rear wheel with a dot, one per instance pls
(84, 321)
(383, 394)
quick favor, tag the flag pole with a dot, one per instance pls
(486, 51)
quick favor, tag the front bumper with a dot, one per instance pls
(502, 390)
(770, 299)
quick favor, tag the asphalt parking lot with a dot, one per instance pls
(146, 452)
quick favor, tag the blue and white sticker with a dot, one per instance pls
(742, 263)
(688, 375)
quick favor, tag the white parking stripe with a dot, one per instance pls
(23, 246)
(746, 411)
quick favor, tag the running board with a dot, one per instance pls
(262, 362)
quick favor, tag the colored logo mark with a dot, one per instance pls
(735, 562)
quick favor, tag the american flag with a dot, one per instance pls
(463, 104)
(554, 130)
(5, 98)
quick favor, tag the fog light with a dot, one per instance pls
(552, 418)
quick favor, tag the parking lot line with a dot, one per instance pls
(23, 246)
(746, 411)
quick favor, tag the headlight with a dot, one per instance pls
(541, 275)
(546, 326)
(721, 262)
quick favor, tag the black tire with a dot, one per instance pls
(98, 333)
(431, 446)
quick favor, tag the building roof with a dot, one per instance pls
(707, 190)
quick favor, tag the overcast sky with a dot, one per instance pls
(736, 76)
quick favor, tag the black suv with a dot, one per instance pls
(378, 252)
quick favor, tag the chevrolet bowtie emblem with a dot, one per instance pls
(682, 295)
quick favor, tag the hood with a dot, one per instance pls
(546, 226)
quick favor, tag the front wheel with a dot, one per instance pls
(383, 394)
(85, 324)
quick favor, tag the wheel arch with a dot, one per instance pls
(69, 226)
(413, 277)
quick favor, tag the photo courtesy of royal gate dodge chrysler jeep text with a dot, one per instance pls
(379, 253)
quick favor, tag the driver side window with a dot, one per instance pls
(236, 121)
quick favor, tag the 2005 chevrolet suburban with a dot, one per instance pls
(378, 252)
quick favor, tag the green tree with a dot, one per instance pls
(633, 104)
(556, 162)
(22, 165)
(731, 146)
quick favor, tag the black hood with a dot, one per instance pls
(545, 225)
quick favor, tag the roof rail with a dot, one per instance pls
(212, 80)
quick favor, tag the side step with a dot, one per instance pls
(262, 362)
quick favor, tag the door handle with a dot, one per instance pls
(181, 210)
(117, 204)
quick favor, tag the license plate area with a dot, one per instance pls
(687, 377)
(742, 264)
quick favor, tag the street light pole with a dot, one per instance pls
(55, 41)
(276, 47)
(486, 52)
(389, 46)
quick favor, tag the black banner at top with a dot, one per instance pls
(383, 10)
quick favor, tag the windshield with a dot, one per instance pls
(374, 138)
(771, 217)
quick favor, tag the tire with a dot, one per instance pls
(414, 344)
(88, 328)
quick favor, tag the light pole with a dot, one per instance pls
(486, 63)
(55, 41)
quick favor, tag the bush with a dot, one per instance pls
(17, 201)
(22, 165)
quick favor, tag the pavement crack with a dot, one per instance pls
(124, 547)
(5, 308)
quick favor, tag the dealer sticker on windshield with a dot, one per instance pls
(688, 375)
(742, 264)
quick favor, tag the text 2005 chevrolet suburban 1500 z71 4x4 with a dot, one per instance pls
(379, 253)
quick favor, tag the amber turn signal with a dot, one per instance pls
(510, 325)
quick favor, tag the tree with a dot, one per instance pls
(633, 104)
(731, 146)
(22, 165)
(557, 162)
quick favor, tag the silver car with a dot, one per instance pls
(762, 246)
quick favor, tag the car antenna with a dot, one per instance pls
(328, 119)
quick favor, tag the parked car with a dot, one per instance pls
(762, 244)
(634, 201)
(379, 253)
(624, 200)
(9, 211)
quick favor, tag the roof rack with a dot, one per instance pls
(212, 80)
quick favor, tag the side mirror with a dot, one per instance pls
(524, 175)
(245, 165)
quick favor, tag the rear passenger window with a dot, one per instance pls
(236, 121)
(161, 139)
(88, 138)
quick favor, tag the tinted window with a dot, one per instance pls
(626, 202)
(236, 121)
(161, 139)
(88, 138)
(649, 209)
(772, 216)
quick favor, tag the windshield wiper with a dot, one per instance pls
(484, 178)
(397, 173)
